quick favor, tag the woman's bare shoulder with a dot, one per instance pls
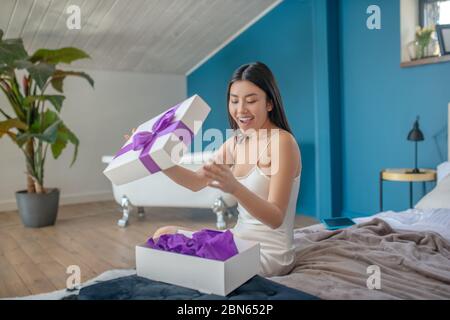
(287, 140)
(289, 150)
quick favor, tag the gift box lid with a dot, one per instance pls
(158, 143)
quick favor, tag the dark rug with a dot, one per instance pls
(138, 288)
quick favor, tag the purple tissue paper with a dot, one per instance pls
(209, 244)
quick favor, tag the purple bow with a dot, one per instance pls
(144, 140)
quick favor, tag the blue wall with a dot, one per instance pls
(283, 40)
(379, 102)
(347, 99)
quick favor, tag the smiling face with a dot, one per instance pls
(248, 105)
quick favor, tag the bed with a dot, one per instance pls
(407, 252)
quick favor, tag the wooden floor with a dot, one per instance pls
(35, 261)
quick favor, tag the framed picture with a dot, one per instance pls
(443, 33)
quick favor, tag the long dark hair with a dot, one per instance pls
(260, 75)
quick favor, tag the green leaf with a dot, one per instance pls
(6, 125)
(74, 140)
(41, 72)
(55, 100)
(60, 75)
(23, 64)
(42, 130)
(63, 55)
(50, 133)
(50, 117)
(64, 136)
(23, 137)
(10, 51)
(57, 83)
(61, 142)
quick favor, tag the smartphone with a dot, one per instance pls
(337, 223)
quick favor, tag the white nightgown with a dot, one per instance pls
(277, 248)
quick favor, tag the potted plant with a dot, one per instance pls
(424, 45)
(34, 122)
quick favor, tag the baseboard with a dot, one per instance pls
(74, 198)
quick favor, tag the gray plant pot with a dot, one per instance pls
(38, 210)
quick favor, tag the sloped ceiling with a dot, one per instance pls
(150, 36)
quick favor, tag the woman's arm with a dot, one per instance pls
(193, 180)
(284, 169)
(197, 180)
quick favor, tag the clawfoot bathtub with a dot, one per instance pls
(157, 190)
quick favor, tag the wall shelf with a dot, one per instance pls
(425, 61)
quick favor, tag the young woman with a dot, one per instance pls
(264, 179)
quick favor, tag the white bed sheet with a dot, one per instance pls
(437, 220)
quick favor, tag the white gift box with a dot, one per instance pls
(167, 148)
(205, 275)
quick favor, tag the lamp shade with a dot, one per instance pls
(416, 134)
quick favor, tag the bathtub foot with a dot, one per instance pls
(126, 206)
(221, 224)
(220, 209)
(141, 213)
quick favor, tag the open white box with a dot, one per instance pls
(204, 275)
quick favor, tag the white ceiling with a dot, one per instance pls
(152, 36)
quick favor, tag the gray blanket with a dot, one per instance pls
(340, 264)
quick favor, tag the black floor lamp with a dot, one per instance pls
(415, 135)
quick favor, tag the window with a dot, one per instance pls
(434, 12)
(424, 14)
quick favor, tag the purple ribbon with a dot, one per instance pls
(209, 244)
(144, 140)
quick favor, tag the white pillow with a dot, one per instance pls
(443, 170)
(439, 197)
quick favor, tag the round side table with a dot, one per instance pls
(406, 175)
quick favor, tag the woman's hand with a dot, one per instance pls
(164, 230)
(221, 177)
(127, 136)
